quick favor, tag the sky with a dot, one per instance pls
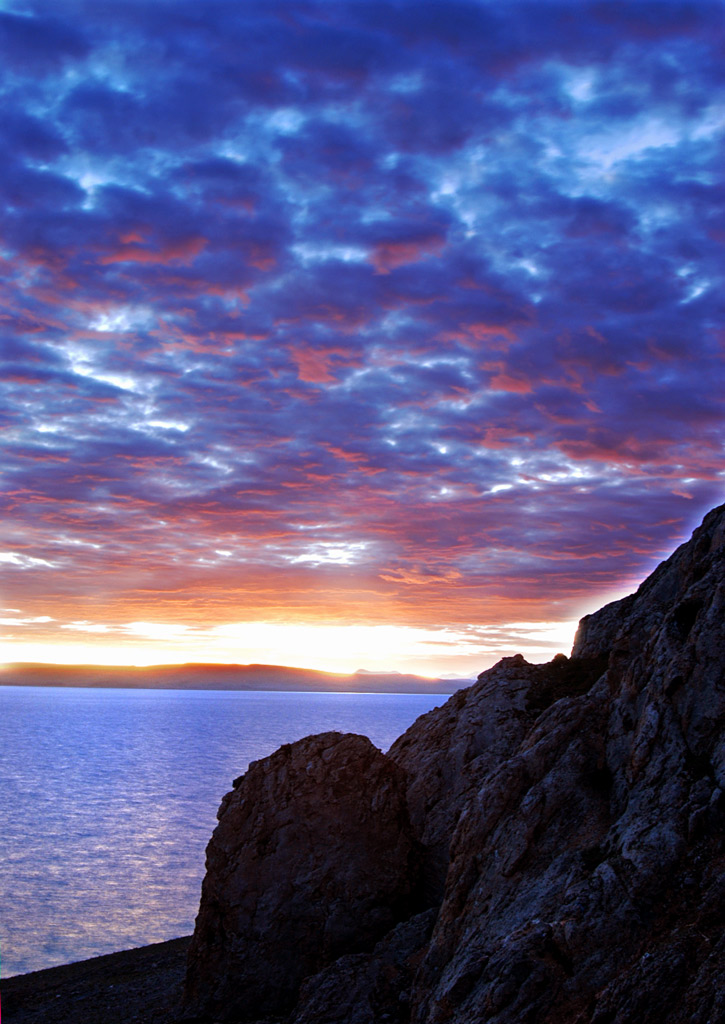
(380, 335)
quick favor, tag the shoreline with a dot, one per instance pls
(133, 986)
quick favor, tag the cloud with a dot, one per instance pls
(32, 44)
(414, 310)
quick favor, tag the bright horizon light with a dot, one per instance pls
(327, 648)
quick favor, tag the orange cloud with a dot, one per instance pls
(420, 578)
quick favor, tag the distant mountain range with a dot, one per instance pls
(221, 677)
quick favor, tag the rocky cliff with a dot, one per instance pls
(546, 848)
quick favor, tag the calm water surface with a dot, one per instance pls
(109, 798)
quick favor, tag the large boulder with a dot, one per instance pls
(313, 859)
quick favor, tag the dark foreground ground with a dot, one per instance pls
(138, 986)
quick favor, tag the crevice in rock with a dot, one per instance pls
(564, 677)
(685, 615)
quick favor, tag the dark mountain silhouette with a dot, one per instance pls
(221, 677)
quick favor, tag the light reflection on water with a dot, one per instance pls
(109, 798)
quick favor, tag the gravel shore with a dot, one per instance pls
(137, 986)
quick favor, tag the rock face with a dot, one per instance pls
(448, 752)
(313, 858)
(564, 823)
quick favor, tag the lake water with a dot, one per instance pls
(109, 798)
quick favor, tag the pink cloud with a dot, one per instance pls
(386, 256)
(312, 366)
(176, 252)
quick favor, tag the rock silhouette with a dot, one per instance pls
(551, 842)
(314, 858)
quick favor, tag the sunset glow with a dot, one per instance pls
(445, 652)
(354, 336)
